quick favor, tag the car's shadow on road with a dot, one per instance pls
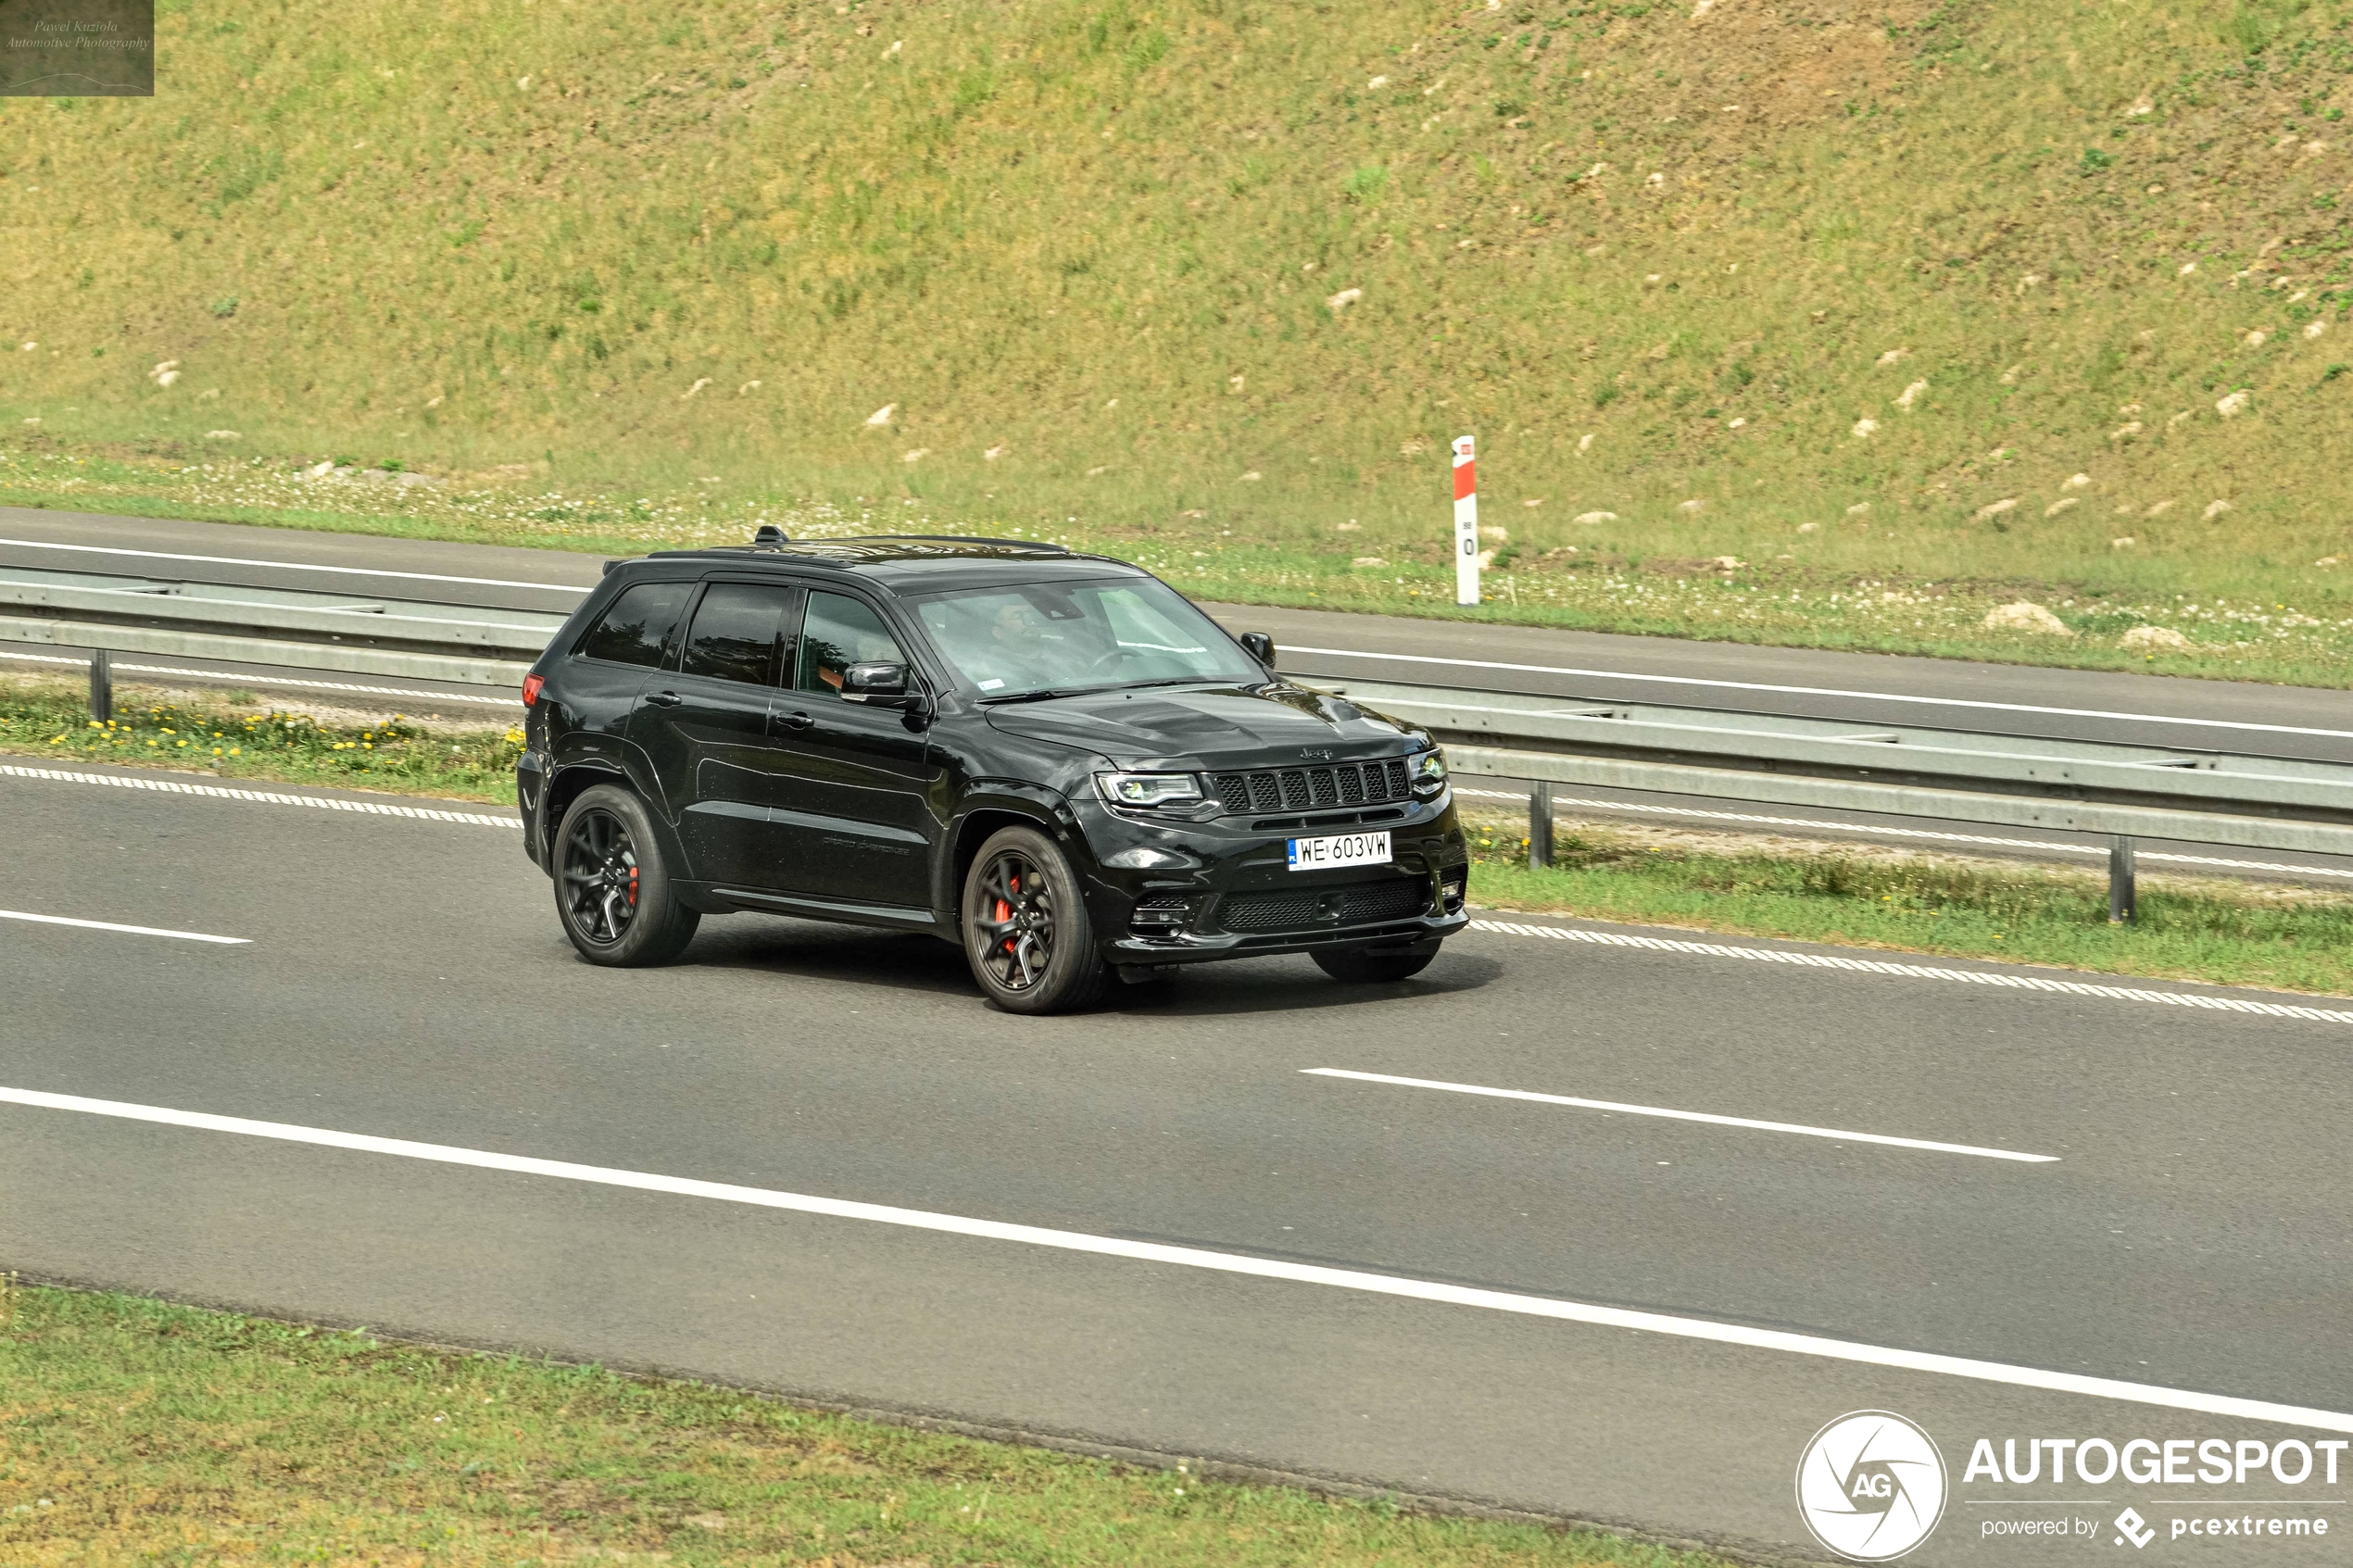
(851, 955)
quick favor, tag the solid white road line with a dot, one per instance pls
(1915, 972)
(1818, 691)
(1685, 1115)
(127, 930)
(245, 678)
(1878, 831)
(1741, 1334)
(293, 566)
(261, 797)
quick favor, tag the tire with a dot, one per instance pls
(1027, 935)
(1365, 966)
(614, 892)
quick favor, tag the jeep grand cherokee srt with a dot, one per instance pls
(1053, 759)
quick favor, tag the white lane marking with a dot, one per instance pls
(127, 930)
(1221, 1262)
(1685, 1115)
(1917, 972)
(261, 797)
(1821, 691)
(1878, 830)
(294, 566)
(241, 677)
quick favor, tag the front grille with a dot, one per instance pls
(1310, 908)
(1306, 789)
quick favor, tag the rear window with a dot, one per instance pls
(640, 627)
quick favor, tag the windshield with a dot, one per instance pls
(1042, 638)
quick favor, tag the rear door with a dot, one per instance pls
(707, 723)
(856, 813)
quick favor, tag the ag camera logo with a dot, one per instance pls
(1871, 1486)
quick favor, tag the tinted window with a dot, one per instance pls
(838, 632)
(735, 633)
(641, 626)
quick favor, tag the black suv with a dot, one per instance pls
(1054, 759)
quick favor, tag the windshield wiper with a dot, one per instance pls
(1040, 694)
(1045, 693)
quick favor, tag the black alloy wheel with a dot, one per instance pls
(1027, 935)
(613, 887)
(600, 876)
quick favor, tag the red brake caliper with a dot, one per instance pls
(633, 887)
(1005, 910)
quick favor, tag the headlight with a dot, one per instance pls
(1143, 792)
(1429, 773)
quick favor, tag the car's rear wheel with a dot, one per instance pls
(1027, 935)
(614, 891)
(1369, 966)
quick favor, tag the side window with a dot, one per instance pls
(640, 627)
(735, 633)
(840, 632)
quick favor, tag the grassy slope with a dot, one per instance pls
(1088, 236)
(136, 1432)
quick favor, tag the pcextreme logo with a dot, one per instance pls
(1871, 1486)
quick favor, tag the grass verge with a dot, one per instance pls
(141, 1431)
(2221, 933)
(239, 737)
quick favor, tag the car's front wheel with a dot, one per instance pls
(612, 886)
(1027, 935)
(1364, 966)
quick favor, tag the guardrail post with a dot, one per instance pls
(1540, 822)
(2120, 881)
(102, 685)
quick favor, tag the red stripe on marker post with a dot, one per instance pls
(1465, 522)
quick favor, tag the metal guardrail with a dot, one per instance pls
(464, 644)
(2125, 791)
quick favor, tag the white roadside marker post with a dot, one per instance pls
(1466, 523)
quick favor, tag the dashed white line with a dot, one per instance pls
(1878, 830)
(1917, 972)
(1741, 1334)
(262, 796)
(1821, 691)
(1712, 1120)
(243, 677)
(127, 930)
(293, 566)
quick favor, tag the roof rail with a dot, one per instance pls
(973, 539)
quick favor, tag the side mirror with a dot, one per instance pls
(876, 686)
(1260, 646)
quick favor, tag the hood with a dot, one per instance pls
(1185, 729)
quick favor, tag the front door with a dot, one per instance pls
(856, 808)
(708, 727)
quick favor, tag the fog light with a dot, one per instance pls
(1159, 917)
(1452, 886)
(1141, 859)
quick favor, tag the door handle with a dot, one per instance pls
(795, 720)
(664, 699)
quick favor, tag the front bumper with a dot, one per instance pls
(1240, 898)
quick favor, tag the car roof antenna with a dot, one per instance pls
(768, 536)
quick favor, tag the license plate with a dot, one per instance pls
(1341, 849)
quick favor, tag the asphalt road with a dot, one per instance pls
(404, 978)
